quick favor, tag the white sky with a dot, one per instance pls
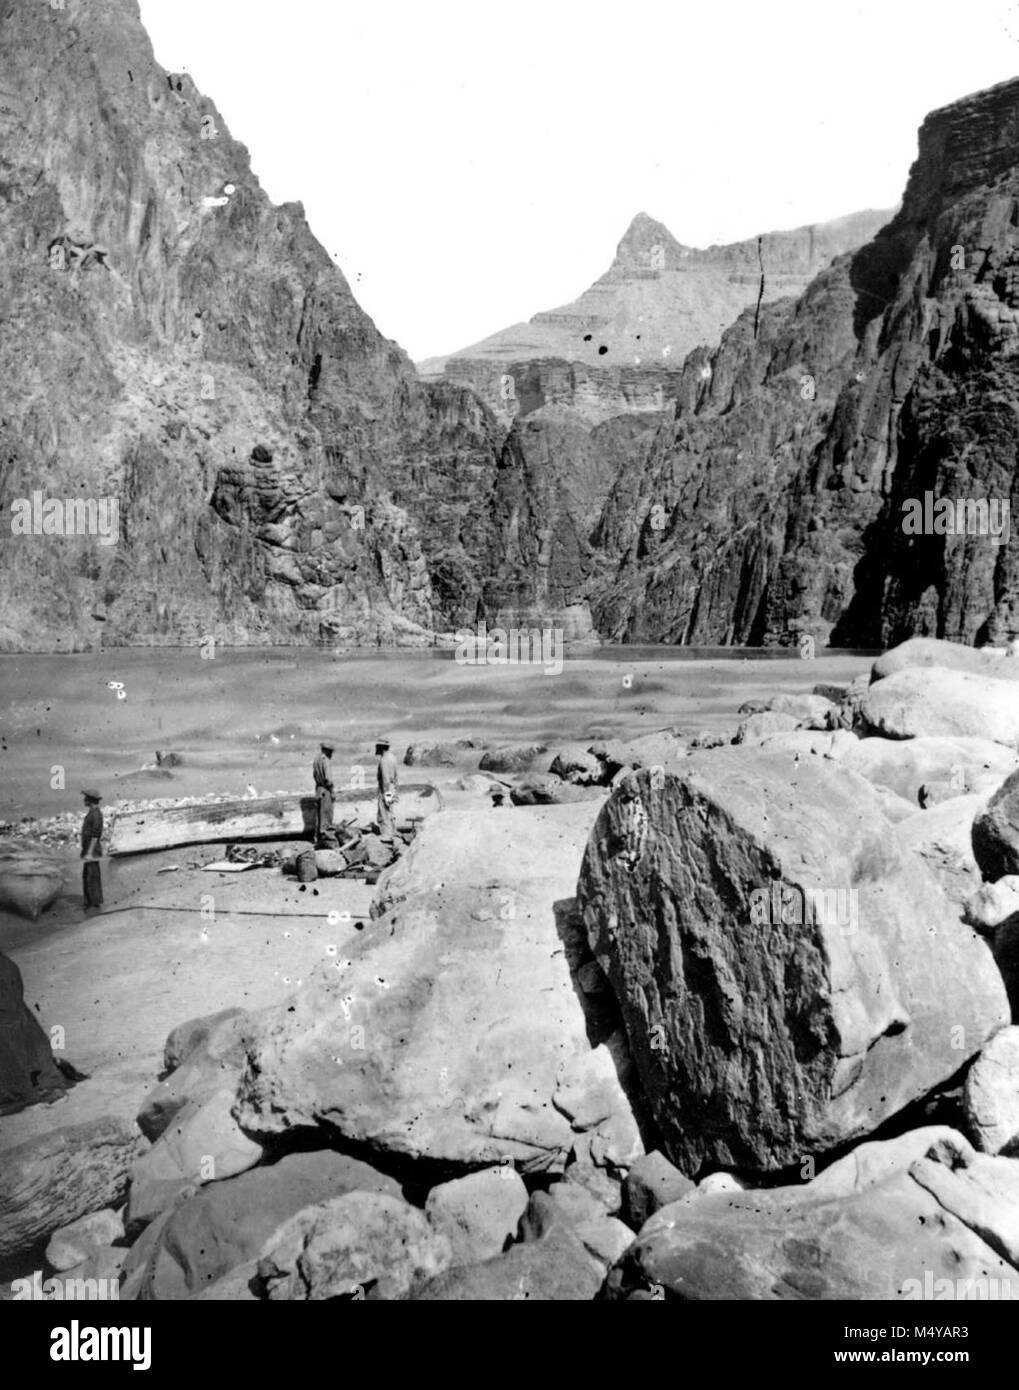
(468, 163)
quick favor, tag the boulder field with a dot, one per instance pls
(739, 1023)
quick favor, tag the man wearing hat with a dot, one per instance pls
(321, 771)
(91, 850)
(387, 791)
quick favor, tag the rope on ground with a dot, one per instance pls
(227, 912)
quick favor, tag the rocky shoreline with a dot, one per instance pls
(719, 1017)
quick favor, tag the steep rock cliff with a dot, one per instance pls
(172, 340)
(781, 481)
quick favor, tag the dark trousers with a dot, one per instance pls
(92, 883)
(386, 820)
(324, 820)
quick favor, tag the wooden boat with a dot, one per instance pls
(257, 818)
(31, 877)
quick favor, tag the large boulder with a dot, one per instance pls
(211, 1061)
(902, 767)
(996, 832)
(104, 1263)
(603, 1181)
(923, 652)
(512, 758)
(28, 1073)
(812, 711)
(557, 1269)
(757, 727)
(31, 877)
(351, 1245)
(942, 1228)
(187, 1037)
(991, 1095)
(203, 1143)
(84, 1239)
(918, 703)
(656, 749)
(478, 1214)
(565, 1203)
(968, 765)
(992, 904)
(62, 1174)
(651, 1183)
(477, 784)
(438, 754)
(548, 789)
(871, 1163)
(942, 836)
(580, 767)
(228, 1223)
(789, 976)
(1005, 946)
(605, 1239)
(453, 1029)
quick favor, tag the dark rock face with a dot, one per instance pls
(795, 446)
(789, 978)
(210, 371)
(28, 1072)
(556, 475)
(996, 832)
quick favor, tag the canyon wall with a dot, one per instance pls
(781, 482)
(172, 341)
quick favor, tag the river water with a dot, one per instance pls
(252, 717)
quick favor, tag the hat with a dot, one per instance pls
(327, 744)
(382, 742)
(92, 795)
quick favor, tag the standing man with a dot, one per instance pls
(387, 791)
(92, 850)
(321, 770)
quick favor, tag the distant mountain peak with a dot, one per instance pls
(619, 347)
(647, 244)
